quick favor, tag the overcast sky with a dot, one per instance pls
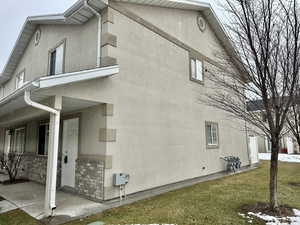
(13, 14)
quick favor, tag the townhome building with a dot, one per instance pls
(111, 88)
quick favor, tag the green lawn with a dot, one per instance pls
(209, 203)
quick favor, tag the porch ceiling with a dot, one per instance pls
(17, 111)
(13, 107)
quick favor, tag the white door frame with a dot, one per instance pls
(70, 146)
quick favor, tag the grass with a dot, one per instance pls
(209, 203)
(17, 217)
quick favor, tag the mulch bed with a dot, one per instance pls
(260, 207)
(295, 184)
(19, 181)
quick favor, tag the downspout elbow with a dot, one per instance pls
(28, 101)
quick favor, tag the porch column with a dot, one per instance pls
(54, 127)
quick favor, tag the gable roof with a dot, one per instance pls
(76, 14)
(79, 14)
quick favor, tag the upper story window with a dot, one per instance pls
(196, 70)
(212, 134)
(20, 79)
(56, 59)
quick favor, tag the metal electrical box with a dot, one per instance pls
(120, 179)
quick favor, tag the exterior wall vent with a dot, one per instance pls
(201, 23)
(37, 37)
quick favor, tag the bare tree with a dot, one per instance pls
(293, 118)
(266, 36)
(11, 162)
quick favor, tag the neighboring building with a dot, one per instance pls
(123, 89)
(288, 144)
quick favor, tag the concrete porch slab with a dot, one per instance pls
(29, 197)
(6, 206)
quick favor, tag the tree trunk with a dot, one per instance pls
(273, 175)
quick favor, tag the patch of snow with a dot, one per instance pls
(281, 157)
(272, 220)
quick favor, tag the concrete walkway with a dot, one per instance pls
(29, 197)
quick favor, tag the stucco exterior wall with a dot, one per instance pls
(159, 119)
(182, 24)
(91, 121)
(79, 39)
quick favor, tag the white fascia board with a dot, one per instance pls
(47, 82)
(67, 78)
(193, 2)
(46, 18)
(18, 92)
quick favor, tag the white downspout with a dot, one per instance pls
(99, 31)
(52, 153)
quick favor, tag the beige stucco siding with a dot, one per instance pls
(80, 54)
(181, 24)
(91, 121)
(159, 119)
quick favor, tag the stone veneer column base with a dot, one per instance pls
(89, 178)
(34, 168)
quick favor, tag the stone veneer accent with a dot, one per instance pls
(34, 168)
(89, 178)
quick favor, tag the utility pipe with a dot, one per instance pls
(99, 31)
(52, 153)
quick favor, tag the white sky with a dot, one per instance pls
(13, 14)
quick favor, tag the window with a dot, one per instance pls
(56, 60)
(1, 92)
(196, 70)
(212, 135)
(17, 137)
(43, 139)
(20, 80)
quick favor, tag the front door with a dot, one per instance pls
(69, 151)
(253, 146)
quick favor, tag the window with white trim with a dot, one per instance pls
(196, 70)
(17, 138)
(212, 134)
(56, 60)
(43, 139)
(1, 92)
(20, 80)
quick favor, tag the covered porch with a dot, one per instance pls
(59, 138)
(30, 197)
